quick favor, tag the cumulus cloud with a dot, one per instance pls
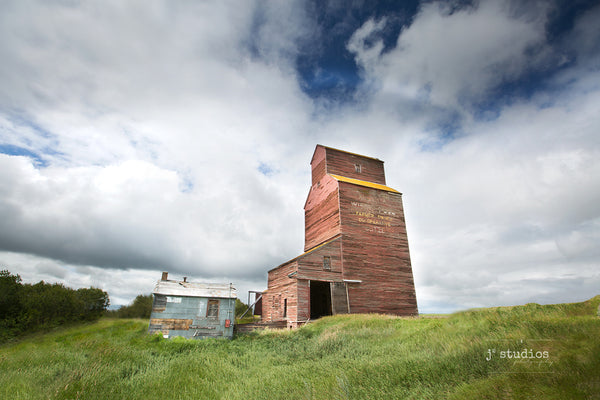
(505, 208)
(135, 215)
(155, 121)
(452, 59)
(153, 136)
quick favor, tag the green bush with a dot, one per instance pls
(141, 307)
(27, 308)
(240, 308)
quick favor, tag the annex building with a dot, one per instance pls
(356, 257)
(192, 310)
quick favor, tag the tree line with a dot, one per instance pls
(31, 307)
(141, 307)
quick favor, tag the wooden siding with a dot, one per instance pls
(167, 324)
(186, 316)
(281, 287)
(376, 251)
(339, 298)
(317, 165)
(303, 311)
(321, 213)
(296, 289)
(339, 162)
(311, 266)
(361, 228)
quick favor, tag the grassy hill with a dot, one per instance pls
(469, 355)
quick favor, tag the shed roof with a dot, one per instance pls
(192, 289)
(364, 183)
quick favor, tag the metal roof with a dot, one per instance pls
(180, 288)
(364, 183)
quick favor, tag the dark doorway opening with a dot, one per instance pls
(320, 299)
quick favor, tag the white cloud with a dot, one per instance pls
(177, 138)
(506, 210)
(451, 59)
(367, 54)
(514, 195)
(134, 215)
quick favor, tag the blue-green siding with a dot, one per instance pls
(186, 316)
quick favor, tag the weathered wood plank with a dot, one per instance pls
(339, 162)
(371, 258)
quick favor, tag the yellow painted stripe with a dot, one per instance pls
(364, 183)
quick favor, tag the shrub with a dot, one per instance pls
(26, 308)
(141, 307)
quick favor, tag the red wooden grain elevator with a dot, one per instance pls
(356, 256)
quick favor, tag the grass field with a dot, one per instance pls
(342, 357)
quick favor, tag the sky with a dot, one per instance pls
(146, 136)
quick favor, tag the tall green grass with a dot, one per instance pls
(342, 357)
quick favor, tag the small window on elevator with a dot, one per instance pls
(326, 262)
(358, 168)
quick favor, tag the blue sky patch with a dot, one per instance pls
(13, 150)
(326, 68)
(266, 169)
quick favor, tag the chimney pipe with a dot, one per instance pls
(165, 275)
(185, 279)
